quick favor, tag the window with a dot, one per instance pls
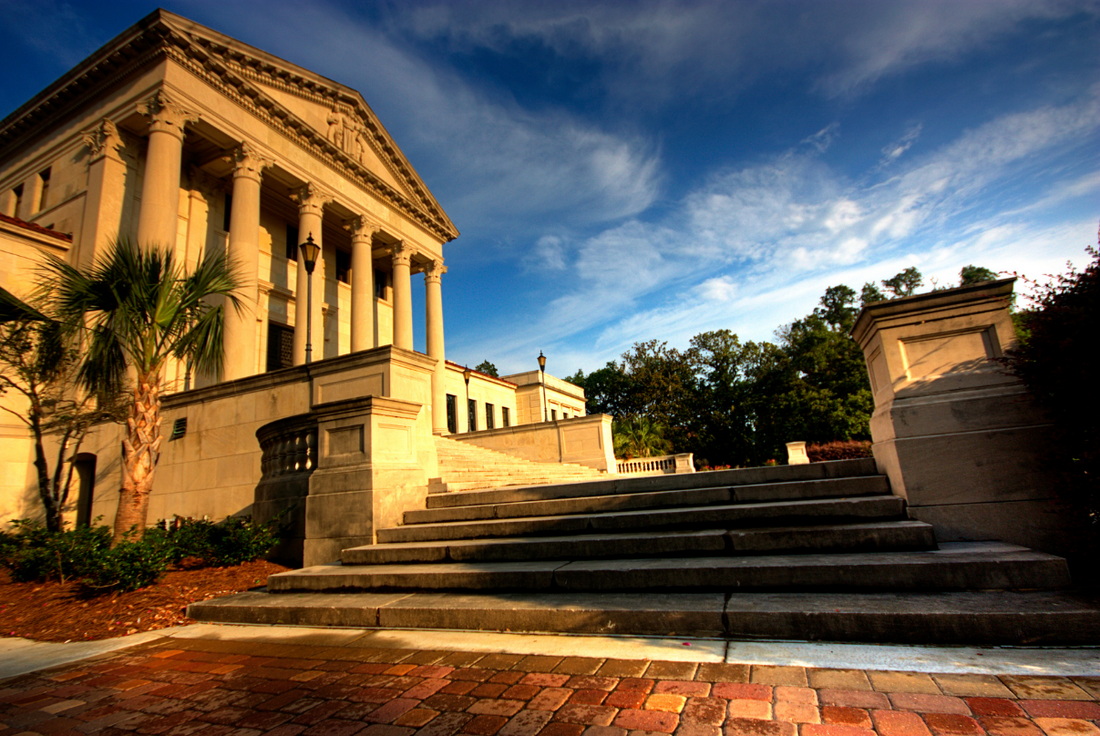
(489, 423)
(381, 281)
(452, 413)
(227, 215)
(280, 346)
(553, 415)
(343, 266)
(291, 242)
(44, 190)
(505, 416)
(471, 415)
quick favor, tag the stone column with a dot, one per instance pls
(311, 204)
(244, 256)
(158, 221)
(402, 296)
(102, 219)
(433, 303)
(362, 283)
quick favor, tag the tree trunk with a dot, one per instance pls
(140, 452)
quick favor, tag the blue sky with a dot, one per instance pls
(636, 170)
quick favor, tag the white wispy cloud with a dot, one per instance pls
(502, 165)
(755, 247)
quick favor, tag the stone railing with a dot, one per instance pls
(662, 464)
(288, 447)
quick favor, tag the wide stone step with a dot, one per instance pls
(819, 511)
(881, 536)
(958, 566)
(983, 618)
(613, 485)
(797, 490)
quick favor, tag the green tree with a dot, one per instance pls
(136, 308)
(487, 368)
(905, 283)
(975, 275)
(38, 365)
(720, 417)
(838, 307)
(871, 294)
(1054, 358)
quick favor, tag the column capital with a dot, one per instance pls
(433, 271)
(248, 163)
(402, 253)
(104, 140)
(311, 199)
(165, 115)
(361, 228)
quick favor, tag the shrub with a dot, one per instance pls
(34, 553)
(230, 542)
(839, 450)
(128, 566)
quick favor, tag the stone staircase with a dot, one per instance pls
(820, 551)
(466, 467)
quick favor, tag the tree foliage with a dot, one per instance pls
(1054, 358)
(134, 309)
(487, 368)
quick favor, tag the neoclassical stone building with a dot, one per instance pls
(176, 135)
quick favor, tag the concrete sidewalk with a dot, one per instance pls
(212, 680)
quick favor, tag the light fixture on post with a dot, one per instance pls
(542, 382)
(466, 377)
(309, 252)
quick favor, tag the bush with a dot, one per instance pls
(231, 542)
(34, 553)
(839, 450)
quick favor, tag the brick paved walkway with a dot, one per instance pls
(210, 687)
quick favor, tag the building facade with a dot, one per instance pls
(177, 136)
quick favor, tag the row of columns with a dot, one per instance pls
(158, 223)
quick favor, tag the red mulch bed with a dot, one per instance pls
(62, 612)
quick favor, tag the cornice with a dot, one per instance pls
(237, 75)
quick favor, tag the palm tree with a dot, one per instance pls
(639, 437)
(135, 308)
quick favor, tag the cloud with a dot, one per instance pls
(652, 53)
(754, 247)
(894, 151)
(504, 164)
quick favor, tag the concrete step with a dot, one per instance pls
(796, 490)
(464, 467)
(957, 566)
(985, 618)
(820, 511)
(613, 485)
(876, 536)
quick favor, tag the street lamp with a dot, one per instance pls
(542, 382)
(466, 377)
(309, 252)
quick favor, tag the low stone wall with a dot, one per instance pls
(212, 469)
(582, 440)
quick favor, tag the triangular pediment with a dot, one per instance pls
(339, 121)
(330, 120)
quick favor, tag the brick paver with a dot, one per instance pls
(209, 688)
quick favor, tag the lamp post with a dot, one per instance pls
(309, 252)
(466, 377)
(542, 382)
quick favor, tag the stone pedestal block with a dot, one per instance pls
(960, 438)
